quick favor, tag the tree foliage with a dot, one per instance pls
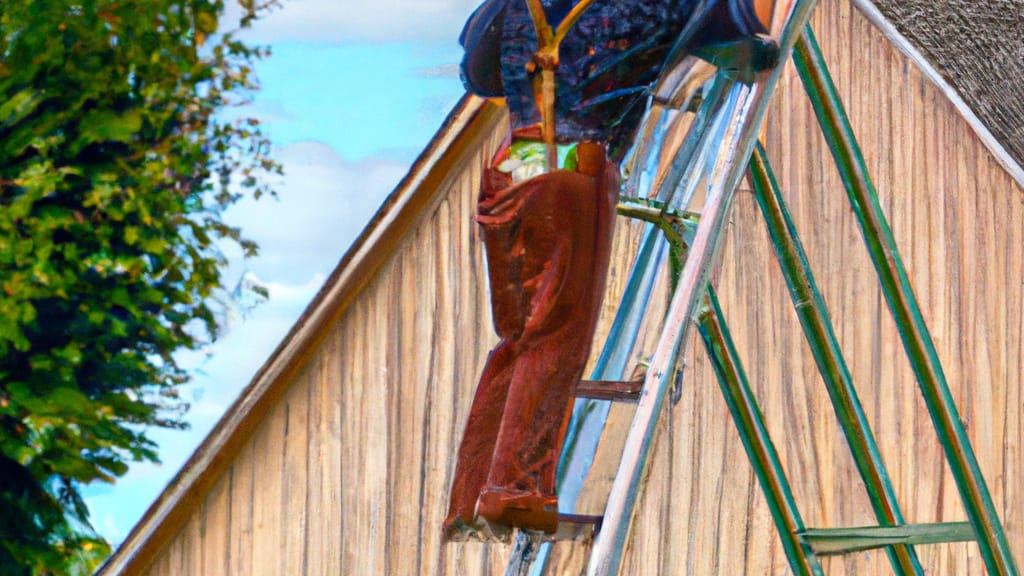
(116, 165)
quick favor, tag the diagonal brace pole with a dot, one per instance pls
(746, 414)
(813, 315)
(904, 306)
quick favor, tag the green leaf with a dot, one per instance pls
(69, 400)
(18, 106)
(117, 168)
(131, 235)
(107, 126)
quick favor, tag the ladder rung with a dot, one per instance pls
(830, 541)
(614, 390)
(575, 527)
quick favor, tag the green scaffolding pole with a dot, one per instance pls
(813, 315)
(904, 307)
(754, 434)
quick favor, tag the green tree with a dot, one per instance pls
(116, 165)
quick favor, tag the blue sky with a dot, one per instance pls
(352, 93)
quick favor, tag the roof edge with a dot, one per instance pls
(462, 131)
(888, 29)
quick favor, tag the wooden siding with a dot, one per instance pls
(348, 472)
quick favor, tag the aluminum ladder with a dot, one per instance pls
(720, 146)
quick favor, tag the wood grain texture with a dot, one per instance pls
(215, 522)
(240, 542)
(268, 536)
(348, 471)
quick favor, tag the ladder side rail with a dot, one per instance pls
(693, 147)
(746, 414)
(735, 153)
(581, 441)
(903, 305)
(589, 416)
(660, 117)
(622, 337)
(608, 544)
(814, 319)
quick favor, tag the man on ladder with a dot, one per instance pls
(575, 76)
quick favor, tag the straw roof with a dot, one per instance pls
(975, 45)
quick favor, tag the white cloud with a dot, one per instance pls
(358, 21)
(323, 203)
(294, 293)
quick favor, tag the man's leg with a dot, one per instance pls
(565, 222)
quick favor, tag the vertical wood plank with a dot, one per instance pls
(192, 536)
(296, 505)
(353, 385)
(268, 492)
(241, 496)
(176, 555)
(323, 527)
(216, 528)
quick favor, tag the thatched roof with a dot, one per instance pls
(976, 47)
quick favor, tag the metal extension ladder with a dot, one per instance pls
(720, 145)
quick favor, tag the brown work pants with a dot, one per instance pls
(547, 242)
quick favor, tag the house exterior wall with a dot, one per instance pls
(348, 471)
